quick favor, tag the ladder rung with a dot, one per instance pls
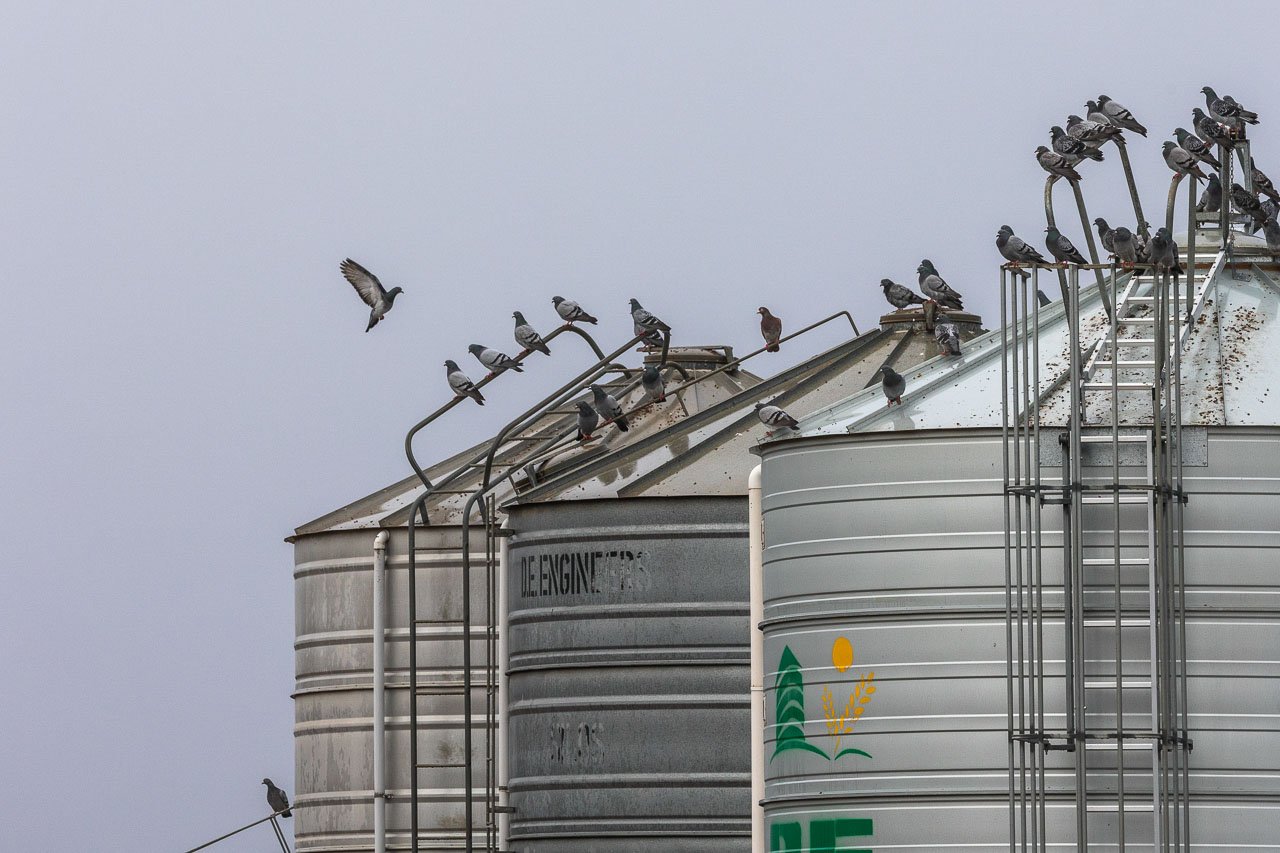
(1129, 438)
(440, 689)
(1146, 342)
(1124, 623)
(1131, 742)
(437, 621)
(441, 765)
(1140, 362)
(1110, 499)
(1138, 684)
(1114, 807)
(1139, 299)
(1118, 386)
(1110, 561)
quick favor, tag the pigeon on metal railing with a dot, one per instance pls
(1056, 164)
(1106, 235)
(1016, 251)
(608, 407)
(654, 388)
(1163, 252)
(1271, 209)
(893, 384)
(652, 338)
(1069, 146)
(277, 799)
(645, 320)
(1127, 248)
(773, 416)
(1196, 147)
(528, 339)
(461, 383)
(948, 338)
(898, 296)
(1271, 231)
(1180, 160)
(570, 311)
(495, 362)
(1261, 183)
(378, 298)
(1119, 115)
(588, 420)
(770, 329)
(1062, 248)
(1247, 203)
(1226, 108)
(937, 289)
(1211, 198)
(1091, 132)
(1211, 130)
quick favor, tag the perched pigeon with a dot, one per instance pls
(1163, 252)
(1211, 198)
(937, 289)
(608, 407)
(1261, 183)
(370, 289)
(948, 338)
(495, 362)
(1091, 132)
(652, 338)
(898, 296)
(654, 388)
(461, 383)
(1246, 202)
(1180, 160)
(893, 384)
(645, 320)
(1056, 164)
(571, 311)
(277, 799)
(1127, 248)
(1227, 108)
(770, 329)
(1211, 130)
(1069, 146)
(1271, 209)
(1094, 113)
(588, 420)
(1196, 147)
(1271, 231)
(1119, 115)
(528, 339)
(772, 416)
(1062, 248)
(1016, 251)
(1105, 234)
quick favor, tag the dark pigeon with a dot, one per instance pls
(1119, 115)
(893, 384)
(1090, 132)
(772, 416)
(1211, 198)
(898, 296)
(1056, 164)
(1227, 108)
(948, 338)
(937, 289)
(277, 799)
(1105, 234)
(1196, 147)
(1062, 248)
(461, 383)
(1271, 231)
(1211, 130)
(570, 311)
(1247, 203)
(1261, 183)
(495, 362)
(1163, 252)
(645, 320)
(528, 339)
(1016, 250)
(654, 388)
(588, 420)
(608, 407)
(378, 298)
(1271, 209)
(652, 338)
(1069, 146)
(1127, 248)
(1180, 161)
(770, 329)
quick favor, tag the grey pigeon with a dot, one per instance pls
(770, 329)
(495, 362)
(1016, 251)
(608, 407)
(1056, 164)
(652, 338)
(1227, 108)
(937, 289)
(1062, 248)
(1271, 231)
(1196, 147)
(1271, 209)
(1247, 203)
(1180, 160)
(528, 339)
(1211, 198)
(461, 383)
(898, 296)
(654, 388)
(1091, 132)
(1069, 146)
(1106, 235)
(277, 799)
(570, 311)
(1119, 115)
(772, 416)
(1261, 183)
(1163, 252)
(948, 338)
(1127, 247)
(378, 298)
(588, 420)
(1211, 130)
(645, 320)
(893, 384)
(1094, 113)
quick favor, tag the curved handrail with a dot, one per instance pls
(1173, 199)
(1088, 234)
(1144, 228)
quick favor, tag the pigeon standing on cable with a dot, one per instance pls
(1211, 130)
(528, 339)
(1119, 115)
(948, 338)
(1106, 235)
(770, 329)
(1211, 198)
(461, 383)
(277, 799)
(570, 311)
(1091, 133)
(1069, 146)
(773, 416)
(1271, 231)
(1247, 203)
(608, 407)
(937, 289)
(1196, 147)
(378, 298)
(588, 420)
(893, 384)
(654, 388)
(1062, 248)
(645, 320)
(1163, 252)
(1226, 108)
(898, 296)
(495, 362)
(1056, 164)
(1261, 183)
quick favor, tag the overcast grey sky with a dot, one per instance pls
(184, 373)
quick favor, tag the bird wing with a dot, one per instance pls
(365, 282)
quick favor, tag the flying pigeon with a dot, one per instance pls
(1056, 164)
(652, 337)
(461, 383)
(1105, 234)
(1164, 252)
(1271, 231)
(1211, 130)
(528, 339)
(645, 320)
(770, 328)
(1062, 248)
(495, 362)
(1247, 202)
(937, 289)
(772, 416)
(608, 407)
(1261, 183)
(1016, 251)
(1091, 132)
(1180, 160)
(588, 420)
(571, 311)
(1227, 108)
(654, 388)
(1071, 147)
(1211, 198)
(1196, 147)
(1119, 115)
(893, 384)
(370, 289)
(277, 799)
(900, 297)
(948, 338)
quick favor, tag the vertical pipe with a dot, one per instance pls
(1119, 662)
(1077, 543)
(504, 695)
(1033, 463)
(1093, 247)
(1009, 414)
(755, 540)
(1190, 271)
(1143, 228)
(1049, 220)
(418, 507)
(379, 692)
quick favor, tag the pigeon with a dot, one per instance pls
(1246, 202)
(1261, 183)
(898, 296)
(528, 339)
(1211, 198)
(1016, 251)
(495, 362)
(654, 388)
(770, 329)
(571, 311)
(1164, 252)
(1105, 234)
(1094, 113)
(588, 420)
(608, 407)
(893, 384)
(1071, 147)
(1091, 132)
(1062, 248)
(645, 320)
(370, 289)
(1196, 147)
(1127, 247)
(937, 289)
(1271, 231)
(277, 799)
(1211, 130)
(1180, 160)
(1227, 108)
(1272, 211)
(1056, 164)
(461, 383)
(948, 338)
(651, 339)
(1119, 115)
(772, 416)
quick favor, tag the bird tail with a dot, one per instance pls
(587, 318)
(621, 423)
(515, 365)
(477, 396)
(1139, 129)
(772, 348)
(286, 813)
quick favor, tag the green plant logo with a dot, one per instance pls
(789, 712)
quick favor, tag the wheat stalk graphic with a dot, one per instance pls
(841, 724)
